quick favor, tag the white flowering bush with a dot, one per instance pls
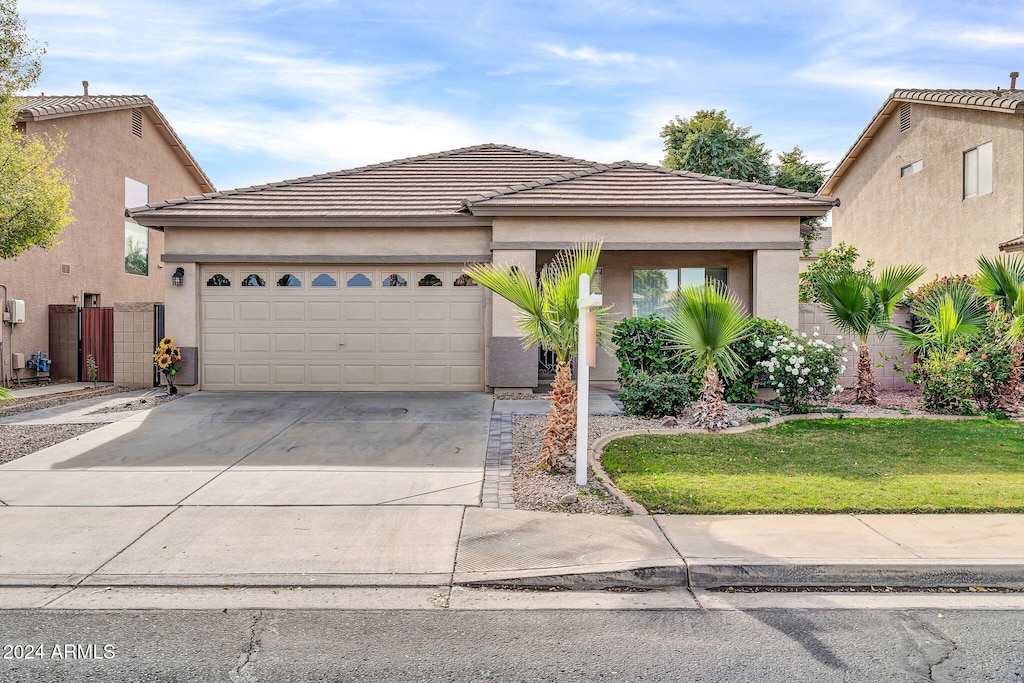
(803, 369)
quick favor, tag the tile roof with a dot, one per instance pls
(1016, 244)
(428, 185)
(58, 106)
(1006, 101)
(990, 99)
(637, 186)
(454, 184)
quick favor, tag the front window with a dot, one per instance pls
(653, 289)
(978, 170)
(136, 249)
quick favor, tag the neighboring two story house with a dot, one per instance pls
(936, 178)
(121, 152)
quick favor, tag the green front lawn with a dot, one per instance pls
(830, 465)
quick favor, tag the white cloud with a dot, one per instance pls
(992, 38)
(589, 55)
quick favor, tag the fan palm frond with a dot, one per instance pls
(704, 323)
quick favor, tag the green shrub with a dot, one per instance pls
(640, 346)
(647, 395)
(803, 369)
(743, 389)
(947, 382)
(831, 262)
(935, 289)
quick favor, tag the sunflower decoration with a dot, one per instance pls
(168, 360)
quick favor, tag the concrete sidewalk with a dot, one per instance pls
(442, 546)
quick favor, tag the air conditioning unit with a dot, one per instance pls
(16, 307)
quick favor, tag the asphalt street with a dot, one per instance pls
(403, 645)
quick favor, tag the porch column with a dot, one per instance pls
(776, 285)
(509, 366)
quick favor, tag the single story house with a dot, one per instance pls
(353, 280)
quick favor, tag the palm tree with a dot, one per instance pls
(858, 303)
(1002, 279)
(548, 316)
(704, 322)
(954, 317)
(5, 395)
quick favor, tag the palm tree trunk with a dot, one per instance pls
(867, 390)
(711, 412)
(559, 441)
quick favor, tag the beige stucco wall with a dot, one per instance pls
(100, 152)
(261, 242)
(729, 232)
(924, 218)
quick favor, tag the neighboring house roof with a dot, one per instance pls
(59, 106)
(1005, 101)
(632, 188)
(457, 185)
(1016, 244)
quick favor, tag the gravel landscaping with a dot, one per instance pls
(143, 403)
(20, 440)
(24, 405)
(534, 489)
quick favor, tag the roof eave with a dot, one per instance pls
(154, 219)
(591, 210)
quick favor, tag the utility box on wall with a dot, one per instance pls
(16, 309)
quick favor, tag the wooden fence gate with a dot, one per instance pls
(96, 339)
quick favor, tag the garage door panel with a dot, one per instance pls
(254, 310)
(395, 375)
(292, 311)
(214, 311)
(429, 343)
(254, 375)
(360, 342)
(360, 375)
(325, 311)
(430, 375)
(289, 342)
(219, 342)
(341, 337)
(360, 311)
(253, 342)
(391, 342)
(395, 310)
(466, 375)
(324, 342)
(466, 310)
(431, 311)
(289, 374)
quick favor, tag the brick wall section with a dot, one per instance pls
(813, 315)
(133, 344)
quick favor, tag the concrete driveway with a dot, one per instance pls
(269, 449)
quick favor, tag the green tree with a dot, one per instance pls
(34, 190)
(709, 142)
(548, 316)
(706, 321)
(841, 258)
(857, 304)
(796, 171)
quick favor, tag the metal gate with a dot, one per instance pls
(96, 339)
(158, 334)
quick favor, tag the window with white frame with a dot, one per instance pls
(911, 169)
(978, 171)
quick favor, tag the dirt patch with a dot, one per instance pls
(144, 403)
(24, 405)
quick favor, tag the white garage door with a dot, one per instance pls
(341, 328)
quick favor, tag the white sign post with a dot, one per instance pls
(586, 358)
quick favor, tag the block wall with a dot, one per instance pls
(133, 344)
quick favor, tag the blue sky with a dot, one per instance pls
(262, 90)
